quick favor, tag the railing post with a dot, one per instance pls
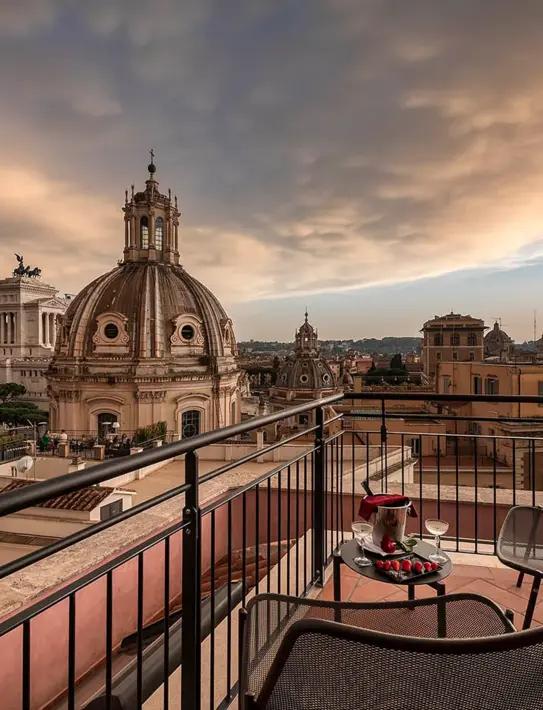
(191, 584)
(319, 500)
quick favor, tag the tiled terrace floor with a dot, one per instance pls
(477, 574)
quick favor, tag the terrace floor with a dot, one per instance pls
(476, 574)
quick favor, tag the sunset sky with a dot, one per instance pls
(378, 160)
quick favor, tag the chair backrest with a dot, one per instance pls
(520, 542)
(269, 618)
(323, 664)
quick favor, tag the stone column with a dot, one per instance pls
(55, 317)
(126, 230)
(133, 231)
(2, 328)
(51, 328)
(12, 328)
(45, 322)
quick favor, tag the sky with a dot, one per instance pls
(379, 161)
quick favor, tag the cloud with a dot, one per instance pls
(315, 146)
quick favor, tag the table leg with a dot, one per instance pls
(337, 578)
(441, 609)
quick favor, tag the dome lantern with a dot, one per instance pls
(151, 230)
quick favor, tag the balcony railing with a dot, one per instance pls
(110, 634)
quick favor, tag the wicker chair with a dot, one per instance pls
(520, 546)
(295, 655)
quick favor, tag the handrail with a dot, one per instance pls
(16, 500)
(434, 397)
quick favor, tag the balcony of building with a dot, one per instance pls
(83, 617)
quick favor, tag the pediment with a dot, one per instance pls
(52, 303)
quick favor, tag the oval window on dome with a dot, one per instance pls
(326, 378)
(111, 331)
(187, 332)
(304, 379)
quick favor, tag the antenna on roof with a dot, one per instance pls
(535, 326)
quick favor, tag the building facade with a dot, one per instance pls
(454, 338)
(30, 314)
(494, 378)
(146, 342)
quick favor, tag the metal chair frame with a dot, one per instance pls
(523, 569)
(335, 628)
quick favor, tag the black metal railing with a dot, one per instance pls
(269, 530)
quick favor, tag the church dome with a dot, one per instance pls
(497, 336)
(146, 309)
(306, 373)
(306, 370)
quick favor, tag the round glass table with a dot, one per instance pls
(349, 550)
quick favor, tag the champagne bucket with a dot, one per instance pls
(390, 520)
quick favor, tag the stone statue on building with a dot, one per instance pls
(23, 270)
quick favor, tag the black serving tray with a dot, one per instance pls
(400, 575)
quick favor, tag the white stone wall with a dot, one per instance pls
(29, 318)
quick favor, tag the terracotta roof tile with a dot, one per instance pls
(84, 500)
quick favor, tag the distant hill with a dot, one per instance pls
(386, 346)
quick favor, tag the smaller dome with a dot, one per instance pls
(497, 335)
(306, 373)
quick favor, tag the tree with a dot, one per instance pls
(17, 413)
(396, 363)
(10, 391)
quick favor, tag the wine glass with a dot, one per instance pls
(361, 532)
(437, 528)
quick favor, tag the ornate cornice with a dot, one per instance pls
(151, 395)
(70, 395)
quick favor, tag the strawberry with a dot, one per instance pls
(406, 565)
(391, 548)
(396, 565)
(387, 565)
(428, 566)
(380, 564)
(435, 566)
(417, 567)
(385, 543)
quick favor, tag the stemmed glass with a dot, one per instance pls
(437, 528)
(361, 532)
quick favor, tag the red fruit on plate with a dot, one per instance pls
(417, 567)
(380, 564)
(406, 565)
(384, 543)
(435, 566)
(387, 565)
(391, 548)
(428, 566)
(396, 565)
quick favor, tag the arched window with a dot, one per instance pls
(190, 423)
(472, 340)
(144, 233)
(455, 339)
(159, 233)
(438, 340)
(233, 413)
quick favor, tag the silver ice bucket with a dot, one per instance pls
(390, 520)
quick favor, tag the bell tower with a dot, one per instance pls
(151, 223)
